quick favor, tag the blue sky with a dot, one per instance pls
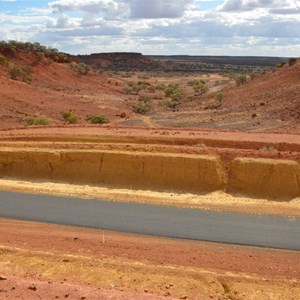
(195, 27)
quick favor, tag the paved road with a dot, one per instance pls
(234, 228)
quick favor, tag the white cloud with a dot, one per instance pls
(248, 5)
(92, 7)
(246, 27)
(151, 9)
(148, 9)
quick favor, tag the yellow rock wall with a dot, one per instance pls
(267, 178)
(264, 178)
(185, 173)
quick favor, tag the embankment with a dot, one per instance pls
(267, 178)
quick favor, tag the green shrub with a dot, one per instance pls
(142, 108)
(69, 117)
(21, 73)
(145, 98)
(173, 89)
(161, 86)
(37, 121)
(80, 69)
(219, 96)
(240, 79)
(200, 89)
(97, 119)
(197, 82)
(135, 87)
(144, 105)
(172, 103)
(3, 60)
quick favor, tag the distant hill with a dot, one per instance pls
(130, 61)
(120, 61)
(219, 64)
(223, 60)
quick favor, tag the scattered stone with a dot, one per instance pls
(67, 295)
(123, 115)
(183, 297)
(32, 287)
(2, 278)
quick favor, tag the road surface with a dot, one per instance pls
(222, 227)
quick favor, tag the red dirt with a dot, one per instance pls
(36, 258)
(29, 240)
(269, 102)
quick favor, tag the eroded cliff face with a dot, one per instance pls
(267, 178)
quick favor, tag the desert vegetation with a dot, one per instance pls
(38, 121)
(135, 87)
(143, 105)
(81, 68)
(174, 92)
(69, 117)
(97, 119)
(49, 52)
(3, 60)
(21, 73)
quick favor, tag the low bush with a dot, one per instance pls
(240, 79)
(172, 103)
(173, 89)
(145, 98)
(39, 121)
(21, 73)
(135, 87)
(200, 89)
(142, 107)
(161, 87)
(3, 60)
(69, 117)
(219, 96)
(80, 69)
(97, 119)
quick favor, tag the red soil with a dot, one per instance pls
(269, 102)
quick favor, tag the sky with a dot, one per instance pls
(156, 27)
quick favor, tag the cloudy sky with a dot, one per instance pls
(195, 27)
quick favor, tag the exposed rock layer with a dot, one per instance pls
(268, 178)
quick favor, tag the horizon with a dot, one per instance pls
(255, 28)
